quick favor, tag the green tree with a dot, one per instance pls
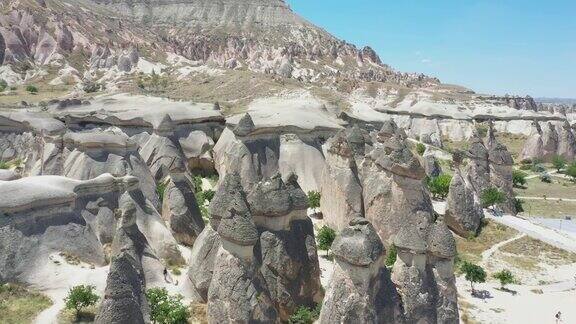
(81, 297)
(559, 162)
(209, 194)
(473, 273)
(32, 89)
(519, 178)
(325, 238)
(439, 186)
(492, 196)
(391, 255)
(305, 315)
(166, 309)
(505, 277)
(571, 171)
(314, 199)
(420, 148)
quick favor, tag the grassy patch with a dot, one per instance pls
(492, 233)
(20, 305)
(549, 208)
(559, 188)
(513, 142)
(68, 316)
(538, 251)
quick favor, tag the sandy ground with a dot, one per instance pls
(56, 277)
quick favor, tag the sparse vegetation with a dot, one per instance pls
(505, 277)
(519, 178)
(166, 309)
(32, 89)
(391, 256)
(209, 195)
(470, 249)
(80, 297)
(91, 87)
(519, 205)
(325, 238)
(492, 196)
(154, 83)
(3, 85)
(558, 162)
(571, 171)
(420, 148)
(473, 273)
(4, 165)
(439, 186)
(305, 315)
(160, 190)
(20, 305)
(314, 199)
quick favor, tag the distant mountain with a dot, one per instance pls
(564, 101)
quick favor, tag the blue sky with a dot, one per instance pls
(491, 46)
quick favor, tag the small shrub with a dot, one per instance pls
(160, 189)
(473, 273)
(314, 199)
(166, 309)
(305, 315)
(545, 177)
(558, 162)
(80, 297)
(4, 165)
(492, 196)
(525, 167)
(420, 148)
(519, 205)
(537, 167)
(197, 181)
(325, 238)
(32, 89)
(3, 85)
(13, 88)
(209, 195)
(200, 198)
(519, 178)
(391, 255)
(91, 87)
(505, 277)
(439, 186)
(176, 271)
(571, 171)
(482, 130)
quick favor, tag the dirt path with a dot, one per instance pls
(488, 253)
(547, 198)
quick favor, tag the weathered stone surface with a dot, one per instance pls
(566, 142)
(400, 209)
(478, 169)
(501, 170)
(2, 49)
(463, 211)
(245, 126)
(549, 141)
(361, 290)
(180, 209)
(534, 145)
(124, 298)
(431, 165)
(341, 190)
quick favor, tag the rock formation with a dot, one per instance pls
(464, 214)
(180, 209)
(360, 290)
(534, 145)
(289, 263)
(124, 298)
(501, 163)
(549, 142)
(281, 258)
(341, 190)
(566, 142)
(478, 171)
(431, 165)
(2, 49)
(399, 207)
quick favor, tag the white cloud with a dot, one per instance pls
(426, 61)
